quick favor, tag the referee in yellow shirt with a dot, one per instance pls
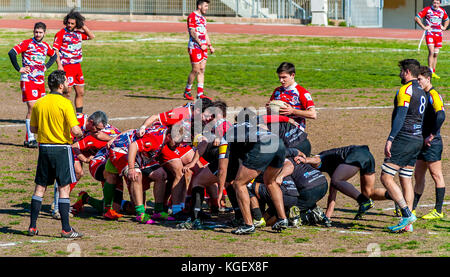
(53, 119)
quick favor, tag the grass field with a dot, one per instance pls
(136, 74)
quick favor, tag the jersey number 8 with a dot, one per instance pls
(423, 102)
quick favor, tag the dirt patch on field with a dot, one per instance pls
(333, 128)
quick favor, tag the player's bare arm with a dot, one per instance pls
(88, 32)
(102, 136)
(208, 42)
(310, 113)
(76, 131)
(419, 22)
(132, 151)
(197, 40)
(445, 26)
(147, 123)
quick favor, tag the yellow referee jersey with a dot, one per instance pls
(54, 116)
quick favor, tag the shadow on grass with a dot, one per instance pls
(16, 121)
(11, 144)
(155, 97)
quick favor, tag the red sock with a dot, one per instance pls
(199, 91)
(72, 186)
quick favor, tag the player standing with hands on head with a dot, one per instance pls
(68, 43)
(434, 17)
(34, 52)
(198, 48)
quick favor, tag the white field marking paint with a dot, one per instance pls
(344, 231)
(10, 244)
(235, 111)
(426, 205)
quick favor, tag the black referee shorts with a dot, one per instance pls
(55, 163)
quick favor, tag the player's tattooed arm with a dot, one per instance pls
(196, 38)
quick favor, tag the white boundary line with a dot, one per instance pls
(426, 205)
(260, 110)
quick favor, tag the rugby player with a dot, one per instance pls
(437, 21)
(343, 163)
(34, 51)
(404, 142)
(301, 191)
(260, 151)
(142, 152)
(198, 45)
(300, 104)
(431, 153)
(179, 162)
(70, 55)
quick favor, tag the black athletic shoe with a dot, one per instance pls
(73, 234)
(280, 225)
(31, 144)
(244, 230)
(180, 216)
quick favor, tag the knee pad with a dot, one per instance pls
(388, 170)
(406, 173)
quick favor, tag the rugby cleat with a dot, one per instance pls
(259, 223)
(294, 217)
(31, 144)
(434, 75)
(162, 216)
(414, 212)
(201, 96)
(56, 215)
(187, 225)
(188, 96)
(78, 206)
(32, 232)
(433, 215)
(144, 218)
(244, 230)
(112, 214)
(363, 208)
(409, 228)
(280, 225)
(73, 234)
(404, 221)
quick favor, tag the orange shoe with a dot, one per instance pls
(112, 214)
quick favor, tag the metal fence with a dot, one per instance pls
(242, 8)
(281, 9)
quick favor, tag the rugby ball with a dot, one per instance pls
(275, 105)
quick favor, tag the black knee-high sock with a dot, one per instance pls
(256, 213)
(64, 207)
(416, 200)
(231, 193)
(387, 196)
(79, 110)
(36, 204)
(440, 193)
(198, 196)
(361, 199)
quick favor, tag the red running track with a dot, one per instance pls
(265, 29)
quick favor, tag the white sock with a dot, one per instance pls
(29, 133)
